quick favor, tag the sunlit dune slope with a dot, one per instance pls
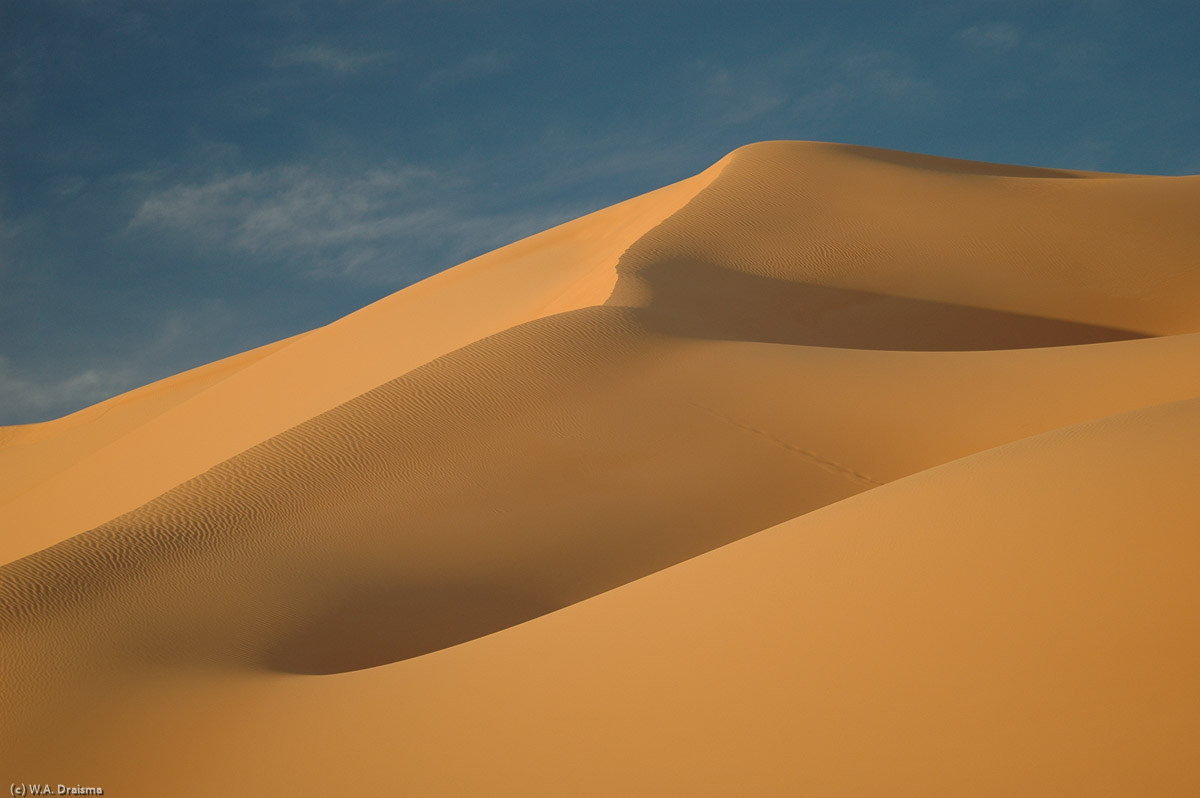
(129, 449)
(829, 471)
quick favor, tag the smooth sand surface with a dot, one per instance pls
(828, 471)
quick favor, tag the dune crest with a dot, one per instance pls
(872, 461)
(131, 448)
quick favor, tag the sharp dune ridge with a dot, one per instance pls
(830, 470)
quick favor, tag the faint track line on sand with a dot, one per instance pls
(828, 465)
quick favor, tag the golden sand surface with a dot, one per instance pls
(828, 471)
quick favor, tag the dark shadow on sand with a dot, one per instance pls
(699, 300)
(376, 625)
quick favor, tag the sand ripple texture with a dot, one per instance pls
(829, 471)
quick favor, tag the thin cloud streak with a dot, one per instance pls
(332, 59)
(26, 397)
(31, 391)
(368, 225)
(995, 36)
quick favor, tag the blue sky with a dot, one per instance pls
(181, 180)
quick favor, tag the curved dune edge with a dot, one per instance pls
(138, 448)
(769, 244)
(346, 542)
(526, 551)
(835, 245)
(31, 453)
(1015, 621)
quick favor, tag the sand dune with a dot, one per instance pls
(128, 450)
(828, 471)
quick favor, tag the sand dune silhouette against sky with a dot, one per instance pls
(828, 471)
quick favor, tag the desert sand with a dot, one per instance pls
(828, 471)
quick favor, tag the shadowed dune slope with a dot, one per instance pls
(846, 246)
(1015, 622)
(829, 471)
(544, 465)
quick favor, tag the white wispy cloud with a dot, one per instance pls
(43, 388)
(996, 36)
(29, 398)
(280, 209)
(368, 224)
(339, 61)
(66, 186)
